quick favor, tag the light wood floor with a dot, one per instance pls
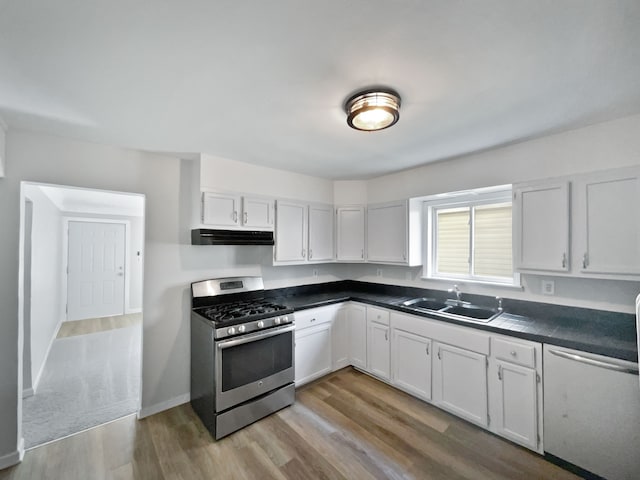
(344, 426)
(102, 324)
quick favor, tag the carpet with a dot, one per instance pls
(88, 380)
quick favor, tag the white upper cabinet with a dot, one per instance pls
(221, 209)
(258, 212)
(541, 227)
(608, 222)
(351, 233)
(291, 232)
(387, 232)
(234, 211)
(304, 233)
(321, 240)
(589, 230)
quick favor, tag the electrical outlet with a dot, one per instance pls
(315, 272)
(379, 272)
(548, 287)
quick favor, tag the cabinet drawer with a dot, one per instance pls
(313, 317)
(378, 315)
(513, 352)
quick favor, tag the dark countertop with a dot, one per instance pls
(597, 331)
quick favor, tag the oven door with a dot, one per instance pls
(252, 365)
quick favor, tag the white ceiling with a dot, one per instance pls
(264, 81)
(91, 202)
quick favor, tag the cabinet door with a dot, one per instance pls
(411, 360)
(350, 243)
(313, 353)
(387, 232)
(340, 339)
(541, 227)
(221, 210)
(291, 232)
(378, 349)
(609, 220)
(257, 212)
(357, 336)
(321, 239)
(460, 382)
(515, 392)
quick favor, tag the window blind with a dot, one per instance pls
(492, 241)
(453, 241)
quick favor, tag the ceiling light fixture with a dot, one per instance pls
(373, 109)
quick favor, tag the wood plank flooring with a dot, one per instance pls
(101, 324)
(343, 426)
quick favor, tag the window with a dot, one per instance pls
(470, 236)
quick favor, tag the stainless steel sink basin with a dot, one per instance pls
(453, 309)
(472, 312)
(425, 304)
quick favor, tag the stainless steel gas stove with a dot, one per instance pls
(242, 357)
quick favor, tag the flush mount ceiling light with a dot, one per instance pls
(373, 109)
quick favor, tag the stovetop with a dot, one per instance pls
(241, 311)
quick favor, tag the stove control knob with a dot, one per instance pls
(260, 324)
(231, 330)
(241, 329)
(285, 320)
(277, 321)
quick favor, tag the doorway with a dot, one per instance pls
(82, 261)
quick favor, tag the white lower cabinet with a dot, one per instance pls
(378, 343)
(313, 353)
(515, 391)
(411, 360)
(460, 382)
(340, 338)
(357, 332)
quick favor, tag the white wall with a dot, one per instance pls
(46, 268)
(349, 192)
(2, 149)
(597, 147)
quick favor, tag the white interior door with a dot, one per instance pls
(96, 271)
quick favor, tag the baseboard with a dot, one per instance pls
(13, 458)
(129, 311)
(34, 386)
(166, 405)
(28, 392)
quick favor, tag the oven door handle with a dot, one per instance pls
(255, 336)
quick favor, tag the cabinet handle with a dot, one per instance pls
(439, 356)
(362, 253)
(585, 260)
(500, 372)
(246, 217)
(386, 335)
(513, 353)
(235, 216)
(303, 253)
(564, 260)
(310, 254)
(312, 320)
(595, 362)
(427, 349)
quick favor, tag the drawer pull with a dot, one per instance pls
(513, 353)
(312, 320)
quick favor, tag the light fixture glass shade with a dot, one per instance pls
(372, 110)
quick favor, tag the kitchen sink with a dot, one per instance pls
(472, 312)
(425, 304)
(453, 309)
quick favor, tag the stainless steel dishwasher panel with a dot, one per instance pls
(592, 412)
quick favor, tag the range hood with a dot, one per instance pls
(205, 236)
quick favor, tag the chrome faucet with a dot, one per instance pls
(458, 293)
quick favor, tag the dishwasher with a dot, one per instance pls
(592, 412)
